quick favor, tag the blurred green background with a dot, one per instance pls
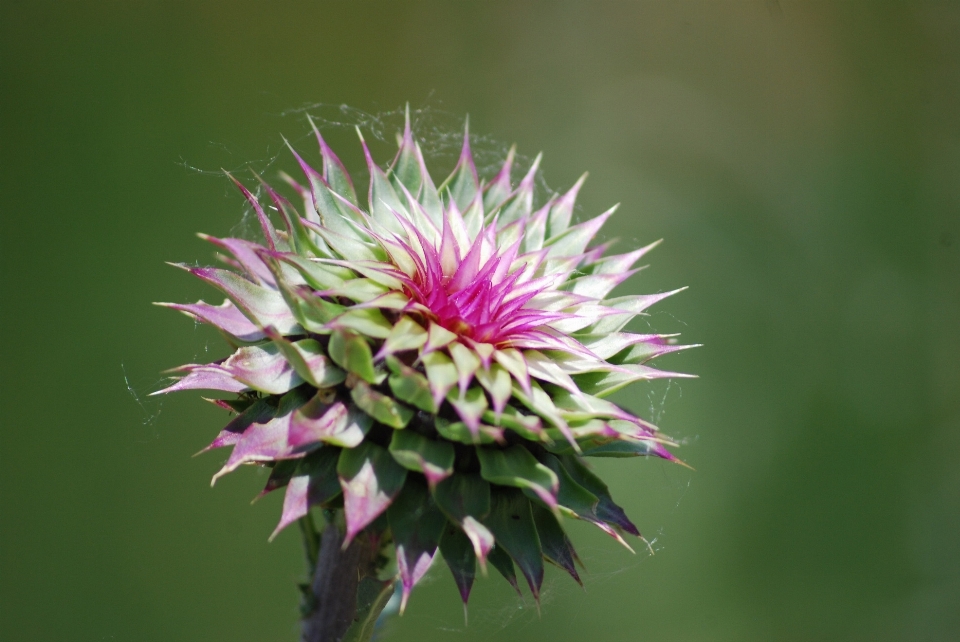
(801, 160)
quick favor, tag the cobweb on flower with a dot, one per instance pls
(150, 408)
(440, 135)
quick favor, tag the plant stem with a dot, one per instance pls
(336, 576)
(311, 541)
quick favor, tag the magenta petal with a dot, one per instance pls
(314, 483)
(335, 424)
(417, 525)
(314, 421)
(468, 268)
(620, 262)
(333, 170)
(247, 255)
(259, 442)
(363, 500)
(481, 538)
(264, 306)
(263, 442)
(259, 412)
(412, 568)
(268, 232)
(205, 378)
(262, 367)
(225, 317)
(370, 479)
(499, 188)
(562, 210)
(295, 503)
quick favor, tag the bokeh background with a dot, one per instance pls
(802, 161)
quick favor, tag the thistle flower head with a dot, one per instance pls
(434, 365)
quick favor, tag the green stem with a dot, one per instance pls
(311, 541)
(345, 596)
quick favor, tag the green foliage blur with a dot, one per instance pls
(801, 160)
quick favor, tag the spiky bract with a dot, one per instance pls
(435, 365)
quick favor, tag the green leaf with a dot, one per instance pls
(541, 403)
(533, 233)
(554, 542)
(469, 406)
(352, 352)
(463, 495)
(332, 210)
(607, 509)
(406, 334)
(511, 522)
(593, 433)
(360, 290)
(347, 245)
(320, 276)
(372, 597)
(416, 524)
(466, 361)
(438, 337)
(516, 467)
(465, 499)
(572, 498)
(366, 321)
(321, 466)
(577, 501)
(512, 360)
(527, 426)
(458, 553)
(308, 360)
(300, 239)
(459, 432)
(441, 373)
(381, 407)
(381, 275)
(410, 386)
(583, 407)
(546, 369)
(311, 311)
(496, 381)
(315, 482)
(601, 384)
(623, 448)
(334, 216)
(502, 562)
(417, 453)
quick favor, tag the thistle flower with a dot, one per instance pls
(434, 366)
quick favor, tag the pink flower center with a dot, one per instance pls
(479, 301)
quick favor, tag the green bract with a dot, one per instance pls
(434, 366)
